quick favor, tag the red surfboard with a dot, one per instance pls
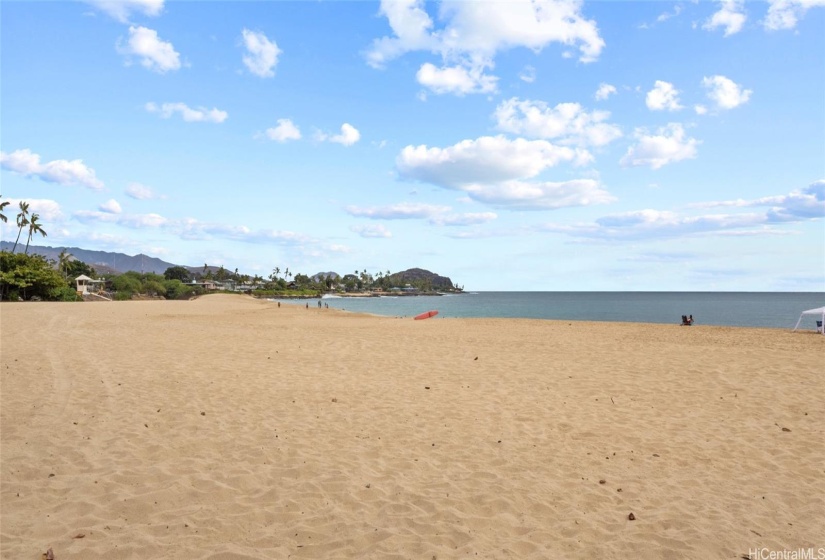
(425, 315)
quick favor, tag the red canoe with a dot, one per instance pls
(426, 315)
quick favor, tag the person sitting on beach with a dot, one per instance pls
(690, 320)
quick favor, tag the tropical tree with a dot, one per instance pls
(28, 276)
(177, 273)
(22, 221)
(3, 217)
(34, 227)
(63, 260)
(275, 272)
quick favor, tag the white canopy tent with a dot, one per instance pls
(819, 312)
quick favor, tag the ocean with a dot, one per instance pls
(778, 310)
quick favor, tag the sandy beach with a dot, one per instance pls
(231, 428)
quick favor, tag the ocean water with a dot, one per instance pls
(742, 309)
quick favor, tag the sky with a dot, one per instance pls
(518, 145)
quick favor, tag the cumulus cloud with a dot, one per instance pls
(154, 53)
(785, 14)
(111, 206)
(474, 32)
(122, 10)
(486, 159)
(140, 192)
(457, 80)
(284, 132)
(604, 91)
(60, 171)
(731, 16)
(663, 97)
(669, 145)
(372, 231)
(261, 54)
(495, 171)
(700, 109)
(725, 93)
(349, 135)
(567, 122)
(200, 114)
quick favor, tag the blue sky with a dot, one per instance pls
(545, 145)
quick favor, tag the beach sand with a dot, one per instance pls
(226, 427)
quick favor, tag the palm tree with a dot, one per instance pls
(34, 227)
(63, 262)
(22, 221)
(276, 271)
(3, 207)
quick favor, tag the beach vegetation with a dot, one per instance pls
(177, 273)
(26, 277)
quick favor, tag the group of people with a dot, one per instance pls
(687, 320)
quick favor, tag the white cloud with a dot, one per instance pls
(605, 91)
(540, 195)
(668, 146)
(494, 170)
(528, 74)
(372, 231)
(201, 114)
(784, 14)
(155, 54)
(797, 206)
(662, 97)
(140, 192)
(465, 219)
(111, 206)
(485, 160)
(285, 131)
(700, 109)
(474, 32)
(455, 79)
(133, 221)
(664, 16)
(731, 16)
(436, 215)
(401, 211)
(121, 10)
(802, 204)
(726, 93)
(349, 136)
(262, 54)
(60, 171)
(568, 122)
(49, 210)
